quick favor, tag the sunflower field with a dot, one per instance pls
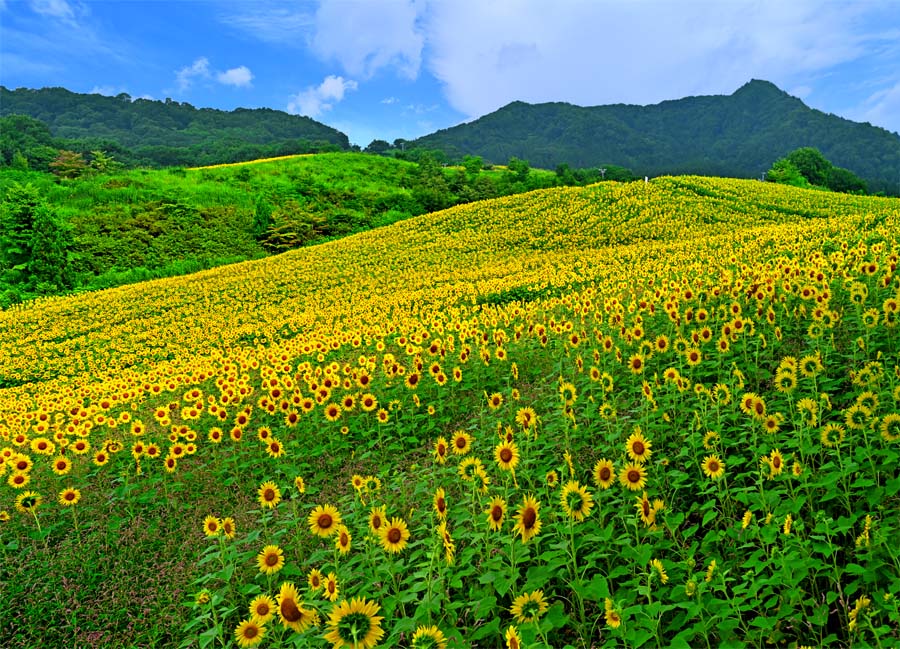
(626, 415)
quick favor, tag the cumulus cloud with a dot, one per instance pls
(487, 54)
(315, 100)
(238, 77)
(367, 36)
(186, 76)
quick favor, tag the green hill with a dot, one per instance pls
(139, 224)
(738, 135)
(161, 133)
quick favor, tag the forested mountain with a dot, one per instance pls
(162, 133)
(739, 135)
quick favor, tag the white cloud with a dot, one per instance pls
(487, 54)
(315, 100)
(800, 91)
(199, 69)
(367, 36)
(238, 77)
(882, 108)
(389, 100)
(272, 23)
(59, 9)
(107, 91)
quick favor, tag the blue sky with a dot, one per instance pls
(403, 68)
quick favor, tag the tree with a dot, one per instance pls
(379, 147)
(19, 161)
(784, 172)
(844, 180)
(48, 267)
(103, 162)
(520, 169)
(262, 218)
(473, 164)
(17, 214)
(68, 164)
(811, 164)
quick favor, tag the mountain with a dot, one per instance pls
(739, 135)
(169, 132)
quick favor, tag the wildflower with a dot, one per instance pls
(529, 607)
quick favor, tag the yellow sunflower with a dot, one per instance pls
(713, 467)
(576, 501)
(528, 520)
(212, 526)
(330, 587)
(269, 495)
(314, 579)
(377, 517)
(529, 607)
(354, 624)
(270, 559)
(633, 477)
(440, 503)
(495, 513)
(513, 639)
(462, 442)
(324, 520)
(249, 633)
(69, 497)
(394, 535)
(429, 637)
(638, 447)
(343, 539)
(262, 608)
(441, 450)
(506, 454)
(604, 473)
(290, 609)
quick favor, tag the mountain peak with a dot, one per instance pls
(759, 88)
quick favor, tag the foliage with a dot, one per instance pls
(737, 135)
(807, 166)
(660, 414)
(142, 132)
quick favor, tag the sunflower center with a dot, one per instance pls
(271, 559)
(506, 455)
(460, 442)
(289, 610)
(268, 495)
(70, 495)
(345, 540)
(441, 504)
(713, 466)
(354, 627)
(376, 522)
(250, 632)
(262, 609)
(634, 476)
(394, 535)
(604, 474)
(325, 521)
(529, 518)
(496, 512)
(637, 447)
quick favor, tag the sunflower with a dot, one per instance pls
(890, 427)
(831, 435)
(368, 402)
(636, 364)
(633, 477)
(61, 465)
(357, 481)
(212, 526)
(495, 400)
(567, 393)
(529, 607)
(377, 517)
(440, 503)
(604, 473)
(776, 463)
(449, 545)
(576, 501)
(528, 520)
(440, 450)
(429, 637)
(228, 530)
(300, 484)
(28, 501)
(270, 559)
(638, 447)
(330, 587)
(290, 609)
(469, 468)
(513, 639)
(342, 542)
(657, 565)
(551, 479)
(262, 608)
(249, 633)
(713, 467)
(506, 454)
(495, 513)
(462, 442)
(275, 448)
(324, 520)
(314, 579)
(612, 617)
(269, 495)
(69, 497)
(354, 624)
(526, 417)
(646, 510)
(394, 535)
(332, 412)
(18, 480)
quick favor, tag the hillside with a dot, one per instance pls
(165, 133)
(569, 417)
(138, 224)
(738, 135)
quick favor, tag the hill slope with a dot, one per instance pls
(169, 132)
(739, 135)
(568, 417)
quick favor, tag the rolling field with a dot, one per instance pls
(661, 414)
